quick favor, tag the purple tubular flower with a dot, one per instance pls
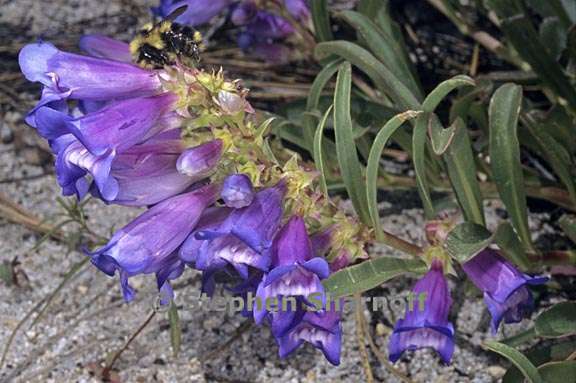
(505, 288)
(197, 12)
(428, 327)
(74, 76)
(200, 160)
(237, 191)
(147, 174)
(298, 9)
(116, 127)
(89, 144)
(295, 271)
(240, 238)
(321, 329)
(105, 47)
(147, 243)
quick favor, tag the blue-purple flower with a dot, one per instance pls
(295, 272)
(197, 12)
(72, 76)
(505, 288)
(321, 329)
(89, 144)
(262, 32)
(237, 191)
(149, 243)
(105, 47)
(237, 238)
(426, 326)
(161, 168)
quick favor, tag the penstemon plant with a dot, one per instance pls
(225, 196)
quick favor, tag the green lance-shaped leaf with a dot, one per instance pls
(313, 100)
(461, 168)
(369, 274)
(175, 329)
(558, 371)
(466, 240)
(542, 353)
(348, 161)
(318, 158)
(559, 320)
(373, 163)
(518, 359)
(507, 239)
(443, 89)
(505, 156)
(321, 20)
(382, 77)
(557, 155)
(419, 160)
(370, 8)
(383, 47)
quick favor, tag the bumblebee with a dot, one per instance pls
(165, 43)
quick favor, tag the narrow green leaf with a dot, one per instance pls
(383, 78)
(370, 8)
(542, 354)
(439, 137)
(558, 371)
(461, 169)
(568, 225)
(318, 159)
(556, 154)
(369, 274)
(419, 160)
(507, 239)
(313, 100)
(319, 83)
(518, 359)
(443, 89)
(505, 156)
(383, 47)
(559, 320)
(350, 166)
(374, 161)
(175, 329)
(466, 240)
(321, 20)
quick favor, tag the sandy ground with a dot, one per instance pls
(88, 320)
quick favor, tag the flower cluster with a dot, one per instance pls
(263, 31)
(182, 142)
(224, 198)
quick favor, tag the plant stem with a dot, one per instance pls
(398, 243)
(106, 370)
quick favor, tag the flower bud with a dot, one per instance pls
(237, 191)
(200, 159)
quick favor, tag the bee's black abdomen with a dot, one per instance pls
(180, 40)
(153, 56)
